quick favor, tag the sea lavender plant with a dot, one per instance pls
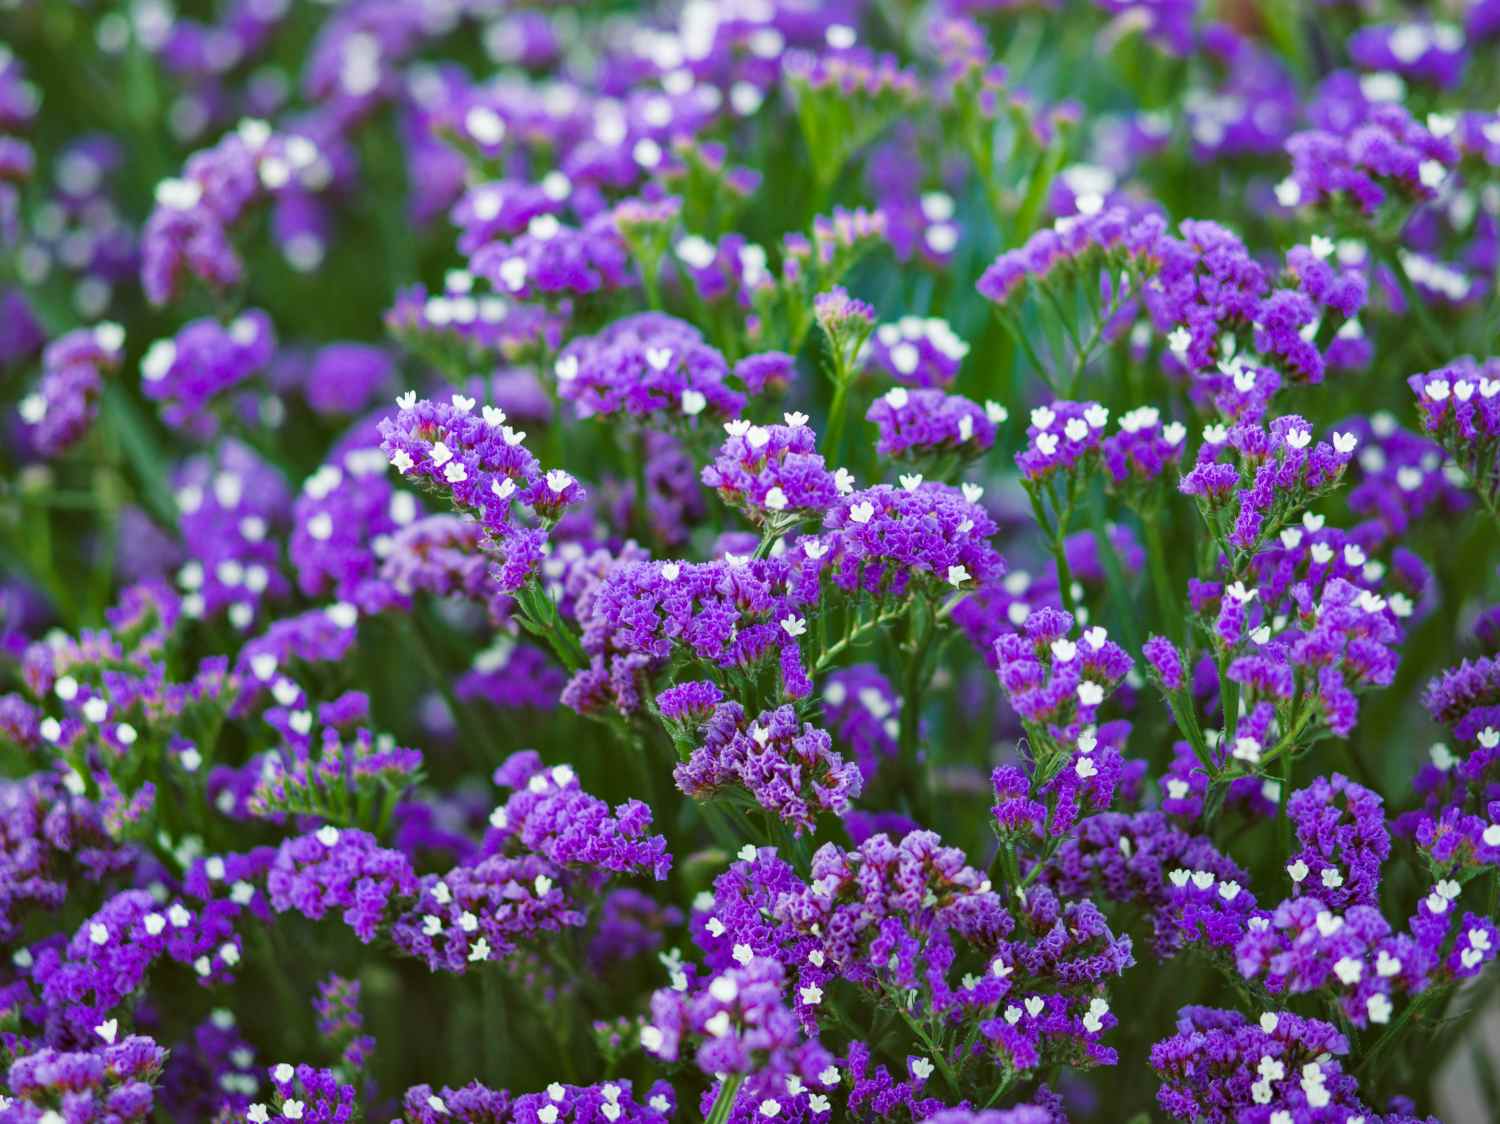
(579, 735)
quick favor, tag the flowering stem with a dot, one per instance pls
(911, 707)
(1018, 336)
(1283, 819)
(730, 1089)
(933, 1050)
(1413, 1009)
(641, 508)
(836, 413)
(1418, 306)
(858, 632)
(494, 1006)
(1161, 579)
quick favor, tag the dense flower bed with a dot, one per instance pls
(749, 560)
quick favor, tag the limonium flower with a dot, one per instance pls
(62, 408)
(1460, 405)
(793, 773)
(579, 736)
(645, 365)
(926, 422)
(772, 472)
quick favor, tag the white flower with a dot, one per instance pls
(957, 575)
(1297, 871)
(921, 1068)
(862, 512)
(843, 481)
(812, 995)
(1379, 1008)
(1344, 442)
(1090, 693)
(911, 481)
(1085, 768)
(794, 626)
(108, 1029)
(292, 1110)
(693, 402)
(742, 954)
(328, 835)
(776, 499)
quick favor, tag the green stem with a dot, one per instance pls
(1283, 819)
(858, 632)
(1161, 579)
(933, 1050)
(1416, 305)
(728, 1091)
(836, 418)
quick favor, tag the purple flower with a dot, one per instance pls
(789, 769)
(914, 424)
(646, 365)
(771, 472)
(917, 352)
(62, 408)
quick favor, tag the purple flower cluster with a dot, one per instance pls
(771, 472)
(1222, 1067)
(1460, 405)
(1062, 437)
(481, 464)
(206, 358)
(1057, 682)
(893, 540)
(725, 614)
(1283, 471)
(1380, 152)
(534, 783)
(62, 408)
(922, 423)
(917, 352)
(645, 366)
(789, 769)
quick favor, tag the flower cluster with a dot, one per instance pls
(789, 771)
(579, 736)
